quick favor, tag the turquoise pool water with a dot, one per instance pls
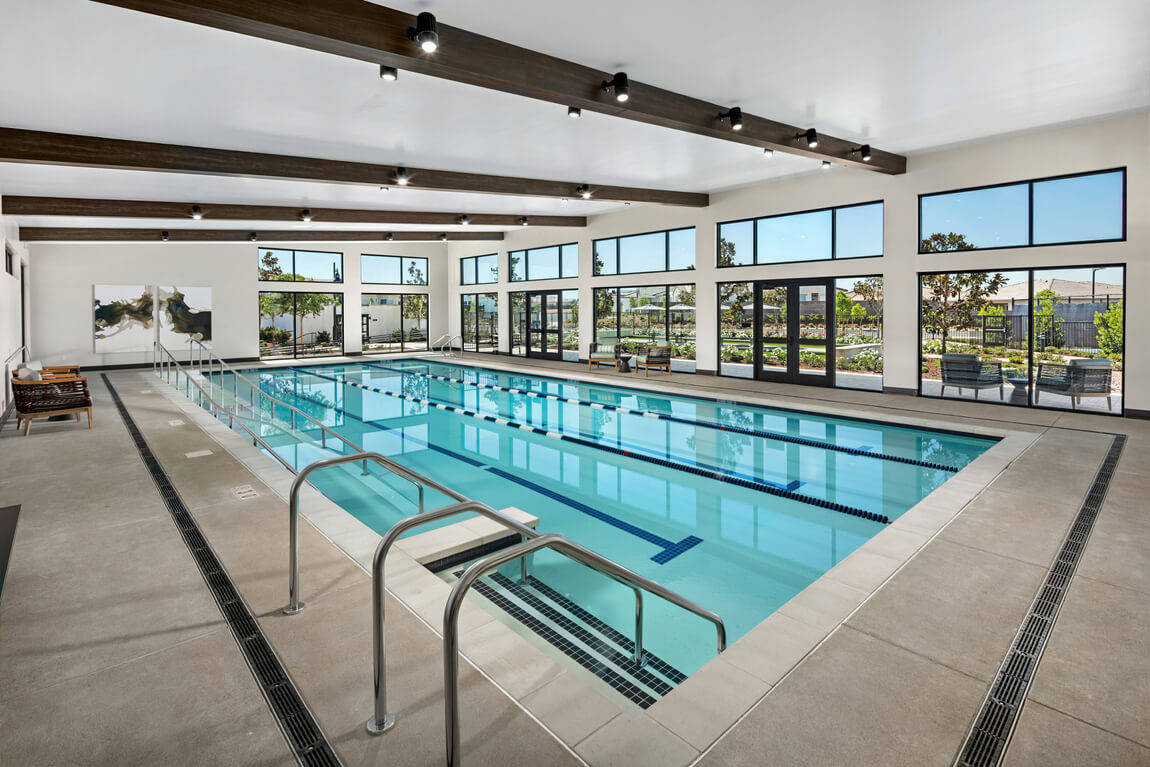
(736, 507)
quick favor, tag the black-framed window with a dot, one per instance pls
(479, 270)
(392, 270)
(284, 265)
(392, 322)
(299, 324)
(550, 263)
(1048, 337)
(634, 317)
(479, 322)
(845, 231)
(9, 261)
(1057, 210)
(665, 251)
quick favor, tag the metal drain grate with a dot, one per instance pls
(988, 738)
(245, 492)
(308, 742)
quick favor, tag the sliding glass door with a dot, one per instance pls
(297, 324)
(479, 314)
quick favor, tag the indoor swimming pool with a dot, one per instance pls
(738, 508)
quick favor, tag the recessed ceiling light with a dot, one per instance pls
(826, 164)
(391, 74)
(768, 153)
(425, 32)
(574, 112)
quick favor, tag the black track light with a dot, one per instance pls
(523, 221)
(425, 32)
(465, 219)
(391, 74)
(164, 236)
(735, 115)
(584, 191)
(389, 237)
(574, 112)
(401, 176)
(768, 153)
(305, 215)
(826, 164)
(443, 237)
(253, 236)
(197, 212)
(812, 138)
(864, 152)
(385, 189)
(620, 85)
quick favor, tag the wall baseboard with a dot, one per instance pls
(1142, 415)
(8, 411)
(900, 390)
(143, 365)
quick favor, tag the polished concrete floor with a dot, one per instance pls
(112, 651)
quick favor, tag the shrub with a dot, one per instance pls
(323, 337)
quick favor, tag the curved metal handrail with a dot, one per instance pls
(237, 376)
(475, 571)
(21, 350)
(443, 348)
(165, 367)
(294, 605)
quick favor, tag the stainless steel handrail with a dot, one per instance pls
(443, 348)
(164, 367)
(237, 376)
(22, 350)
(382, 720)
(294, 605)
(473, 573)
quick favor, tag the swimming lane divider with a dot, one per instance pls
(865, 452)
(709, 473)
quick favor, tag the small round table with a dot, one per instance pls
(624, 363)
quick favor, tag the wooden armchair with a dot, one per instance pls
(51, 396)
(658, 357)
(602, 354)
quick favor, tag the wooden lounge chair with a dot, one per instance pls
(658, 357)
(602, 354)
(969, 371)
(1076, 379)
(50, 396)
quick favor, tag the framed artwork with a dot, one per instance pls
(184, 312)
(123, 318)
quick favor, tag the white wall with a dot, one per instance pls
(63, 276)
(1095, 146)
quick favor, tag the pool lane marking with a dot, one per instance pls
(865, 451)
(670, 549)
(698, 470)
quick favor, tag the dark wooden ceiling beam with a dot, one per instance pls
(88, 208)
(80, 234)
(362, 30)
(44, 148)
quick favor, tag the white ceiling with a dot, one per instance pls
(904, 75)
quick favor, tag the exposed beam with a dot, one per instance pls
(362, 30)
(44, 148)
(263, 236)
(87, 208)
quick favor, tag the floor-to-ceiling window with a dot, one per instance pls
(858, 346)
(393, 322)
(479, 326)
(1050, 337)
(300, 324)
(634, 318)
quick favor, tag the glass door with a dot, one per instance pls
(794, 332)
(544, 325)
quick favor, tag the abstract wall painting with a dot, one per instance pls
(184, 312)
(123, 318)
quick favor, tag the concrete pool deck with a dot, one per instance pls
(886, 658)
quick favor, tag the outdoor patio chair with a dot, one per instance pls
(39, 397)
(1076, 379)
(603, 354)
(969, 371)
(658, 357)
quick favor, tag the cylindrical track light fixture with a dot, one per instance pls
(523, 221)
(425, 32)
(401, 176)
(305, 215)
(443, 237)
(164, 236)
(389, 237)
(584, 191)
(735, 115)
(620, 85)
(574, 112)
(812, 138)
(864, 152)
(197, 212)
(768, 153)
(465, 219)
(253, 236)
(391, 74)
(826, 164)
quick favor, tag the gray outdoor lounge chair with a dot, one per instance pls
(658, 357)
(1076, 379)
(969, 371)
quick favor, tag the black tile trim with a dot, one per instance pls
(308, 743)
(446, 563)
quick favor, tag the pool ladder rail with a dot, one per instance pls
(165, 365)
(444, 345)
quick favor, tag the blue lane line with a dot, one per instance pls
(865, 450)
(699, 470)
(671, 549)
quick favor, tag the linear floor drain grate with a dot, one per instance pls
(245, 492)
(986, 743)
(300, 728)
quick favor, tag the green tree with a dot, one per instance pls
(843, 304)
(415, 306)
(415, 275)
(952, 300)
(858, 313)
(944, 243)
(1109, 324)
(870, 291)
(732, 295)
(270, 268)
(1047, 324)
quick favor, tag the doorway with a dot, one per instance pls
(794, 327)
(545, 325)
